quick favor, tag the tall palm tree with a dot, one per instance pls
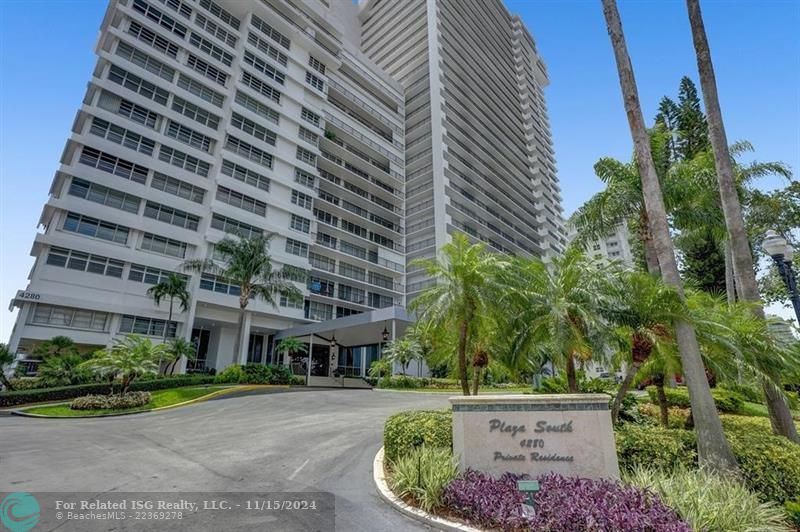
(6, 359)
(179, 348)
(171, 288)
(713, 449)
(55, 346)
(127, 359)
(467, 285)
(289, 346)
(555, 309)
(742, 259)
(643, 310)
(247, 264)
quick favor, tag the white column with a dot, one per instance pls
(310, 349)
(244, 340)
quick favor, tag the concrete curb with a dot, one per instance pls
(200, 399)
(398, 504)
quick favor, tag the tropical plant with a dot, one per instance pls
(289, 346)
(423, 474)
(403, 351)
(247, 264)
(6, 360)
(127, 359)
(554, 311)
(713, 449)
(55, 346)
(171, 288)
(177, 349)
(708, 501)
(63, 370)
(380, 368)
(466, 286)
(741, 256)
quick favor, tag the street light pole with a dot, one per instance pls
(782, 253)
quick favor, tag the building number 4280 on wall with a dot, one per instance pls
(22, 294)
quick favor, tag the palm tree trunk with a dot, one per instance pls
(623, 389)
(476, 377)
(650, 254)
(713, 449)
(742, 259)
(572, 378)
(462, 356)
(730, 283)
(166, 329)
(239, 331)
(4, 380)
(663, 405)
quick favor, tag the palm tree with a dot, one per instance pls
(466, 288)
(643, 310)
(403, 351)
(177, 348)
(247, 264)
(55, 346)
(742, 258)
(556, 309)
(289, 346)
(174, 286)
(713, 449)
(6, 359)
(127, 359)
(62, 370)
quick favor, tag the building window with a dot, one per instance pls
(379, 300)
(319, 311)
(381, 280)
(294, 273)
(170, 215)
(84, 262)
(147, 326)
(137, 57)
(163, 246)
(179, 7)
(304, 178)
(267, 48)
(135, 113)
(315, 82)
(211, 72)
(245, 175)
(257, 107)
(103, 195)
(162, 19)
(184, 160)
(229, 225)
(270, 32)
(211, 49)
(248, 126)
(301, 224)
(322, 287)
(198, 114)
(291, 303)
(69, 317)
(151, 38)
(203, 23)
(326, 240)
(140, 273)
(176, 187)
(301, 200)
(200, 90)
(242, 201)
(306, 156)
(215, 284)
(351, 294)
(308, 136)
(265, 68)
(322, 262)
(353, 272)
(189, 136)
(220, 13)
(259, 86)
(248, 151)
(94, 228)
(113, 165)
(310, 116)
(295, 247)
(315, 63)
(122, 136)
(350, 227)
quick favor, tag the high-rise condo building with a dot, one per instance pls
(204, 118)
(479, 156)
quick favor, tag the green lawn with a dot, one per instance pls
(160, 398)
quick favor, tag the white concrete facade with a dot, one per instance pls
(614, 247)
(309, 119)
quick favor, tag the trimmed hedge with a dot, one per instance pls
(255, 374)
(407, 430)
(63, 393)
(405, 382)
(727, 401)
(770, 464)
(111, 402)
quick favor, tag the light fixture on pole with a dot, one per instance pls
(385, 334)
(782, 253)
(333, 340)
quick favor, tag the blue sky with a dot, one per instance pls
(46, 58)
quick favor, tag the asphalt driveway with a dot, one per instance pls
(313, 440)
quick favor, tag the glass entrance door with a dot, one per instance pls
(320, 360)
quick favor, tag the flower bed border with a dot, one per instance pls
(379, 477)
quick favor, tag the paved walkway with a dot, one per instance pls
(312, 440)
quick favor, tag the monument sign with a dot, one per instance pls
(570, 434)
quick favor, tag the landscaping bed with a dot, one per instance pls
(158, 399)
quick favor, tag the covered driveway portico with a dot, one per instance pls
(345, 347)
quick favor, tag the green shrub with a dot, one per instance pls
(64, 393)
(707, 501)
(749, 392)
(793, 509)
(64, 370)
(297, 380)
(770, 464)
(113, 402)
(407, 430)
(726, 400)
(254, 374)
(654, 447)
(401, 382)
(27, 383)
(423, 474)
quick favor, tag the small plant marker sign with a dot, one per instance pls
(528, 487)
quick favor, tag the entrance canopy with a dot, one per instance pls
(359, 329)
